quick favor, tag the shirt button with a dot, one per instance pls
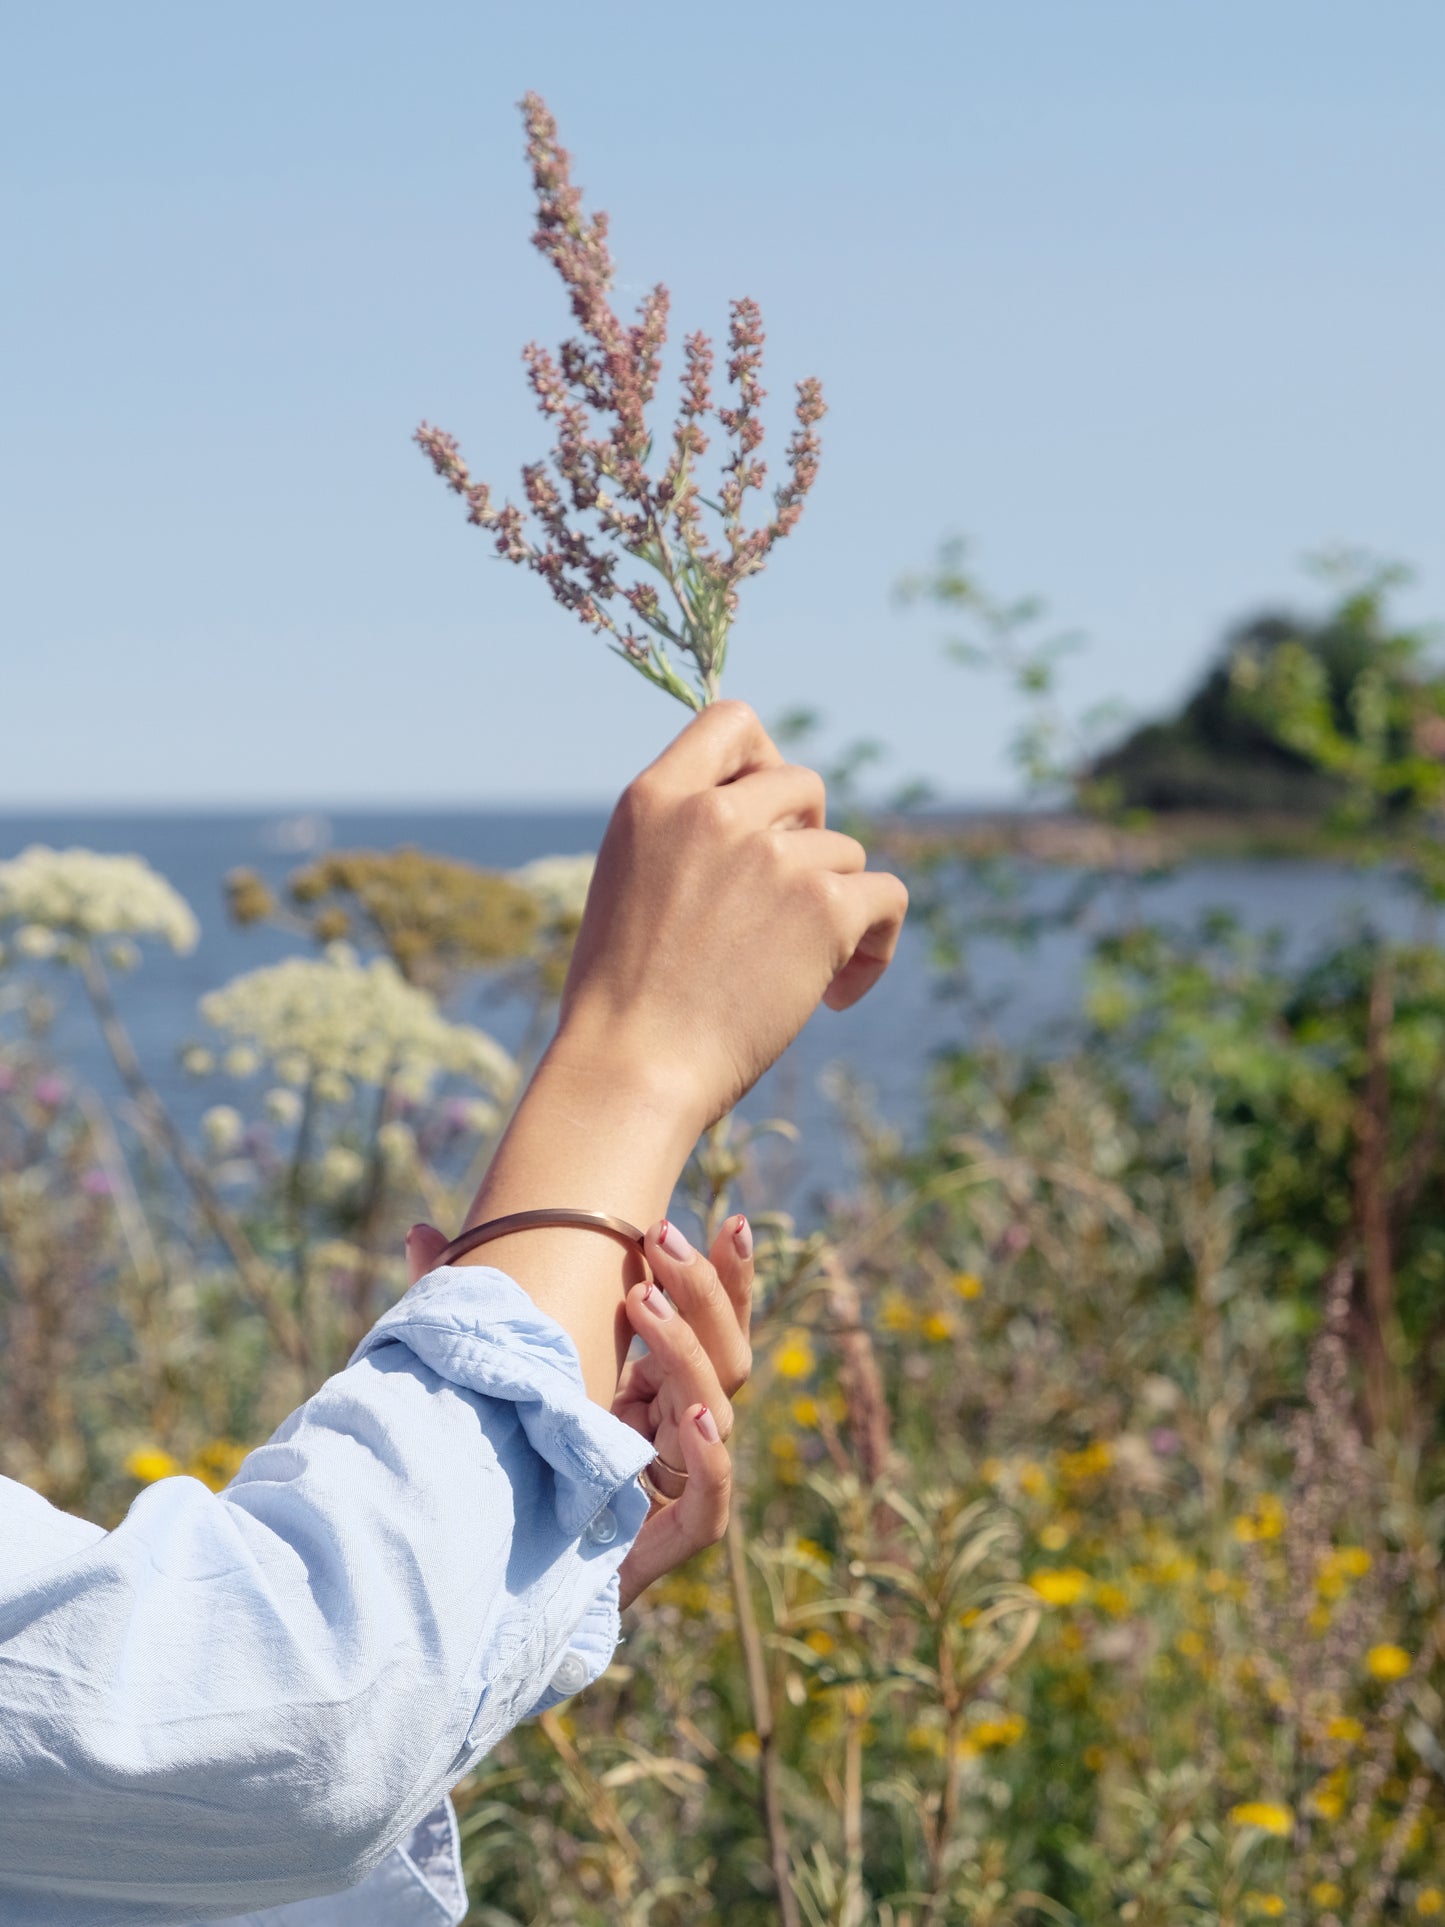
(571, 1675)
(603, 1529)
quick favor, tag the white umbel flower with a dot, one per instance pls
(79, 893)
(560, 885)
(335, 1019)
(223, 1129)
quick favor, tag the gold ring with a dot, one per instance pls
(655, 1495)
(653, 1487)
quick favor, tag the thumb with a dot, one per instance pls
(424, 1245)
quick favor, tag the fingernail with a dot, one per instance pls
(707, 1425)
(414, 1230)
(656, 1303)
(743, 1238)
(674, 1244)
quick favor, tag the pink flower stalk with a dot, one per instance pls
(611, 372)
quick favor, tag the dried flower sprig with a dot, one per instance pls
(612, 371)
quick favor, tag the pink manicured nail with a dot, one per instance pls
(743, 1238)
(656, 1303)
(674, 1244)
(707, 1425)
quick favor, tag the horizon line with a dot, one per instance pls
(111, 806)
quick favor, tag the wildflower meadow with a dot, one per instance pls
(1085, 1559)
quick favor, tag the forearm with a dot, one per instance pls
(235, 1700)
(595, 1130)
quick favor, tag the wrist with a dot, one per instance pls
(609, 1066)
(599, 1128)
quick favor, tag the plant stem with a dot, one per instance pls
(253, 1272)
(760, 1701)
(852, 1912)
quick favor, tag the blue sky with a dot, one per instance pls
(1146, 300)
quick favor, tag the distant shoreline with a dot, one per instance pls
(1149, 843)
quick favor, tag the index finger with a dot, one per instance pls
(878, 901)
(724, 741)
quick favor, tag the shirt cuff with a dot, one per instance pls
(589, 1651)
(476, 1327)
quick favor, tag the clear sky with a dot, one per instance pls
(1147, 300)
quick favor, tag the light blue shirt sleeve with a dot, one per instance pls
(235, 1702)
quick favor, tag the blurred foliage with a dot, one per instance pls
(1339, 716)
(1086, 1555)
(432, 915)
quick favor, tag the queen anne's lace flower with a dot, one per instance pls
(223, 1128)
(78, 893)
(560, 885)
(359, 1023)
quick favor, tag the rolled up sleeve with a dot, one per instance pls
(237, 1700)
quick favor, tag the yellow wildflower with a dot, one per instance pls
(216, 1463)
(148, 1463)
(1177, 1569)
(895, 1313)
(1112, 1599)
(746, 1748)
(855, 1700)
(1265, 1520)
(1059, 1585)
(805, 1411)
(1094, 1758)
(794, 1357)
(1270, 1905)
(1268, 1815)
(1342, 1727)
(1328, 1802)
(783, 1445)
(1089, 1463)
(1327, 1893)
(1054, 1537)
(1318, 1619)
(821, 1642)
(1353, 1561)
(1189, 1643)
(1387, 1662)
(1430, 1901)
(967, 1284)
(991, 1471)
(926, 1739)
(1033, 1479)
(1269, 1516)
(1216, 1581)
(937, 1327)
(986, 1735)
